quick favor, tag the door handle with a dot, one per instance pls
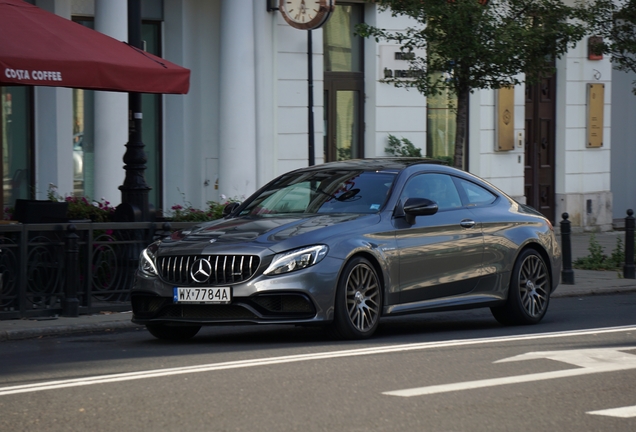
(467, 223)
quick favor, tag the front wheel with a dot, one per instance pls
(174, 333)
(529, 293)
(358, 304)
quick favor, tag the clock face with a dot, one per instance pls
(306, 14)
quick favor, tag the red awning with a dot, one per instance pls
(43, 49)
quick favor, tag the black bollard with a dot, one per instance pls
(567, 275)
(629, 270)
(70, 303)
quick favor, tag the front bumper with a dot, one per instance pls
(302, 297)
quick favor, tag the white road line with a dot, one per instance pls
(588, 361)
(624, 412)
(129, 376)
(469, 385)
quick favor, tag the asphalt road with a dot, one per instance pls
(456, 371)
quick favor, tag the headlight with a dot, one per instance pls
(147, 260)
(296, 259)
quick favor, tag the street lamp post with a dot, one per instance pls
(134, 205)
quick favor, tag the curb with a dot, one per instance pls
(594, 291)
(9, 335)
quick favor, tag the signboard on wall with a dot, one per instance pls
(395, 64)
(595, 106)
(505, 119)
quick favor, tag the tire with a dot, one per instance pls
(358, 303)
(173, 333)
(529, 292)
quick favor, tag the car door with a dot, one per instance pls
(485, 205)
(439, 255)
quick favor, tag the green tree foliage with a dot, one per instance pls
(479, 45)
(615, 22)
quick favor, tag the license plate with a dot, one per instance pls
(220, 295)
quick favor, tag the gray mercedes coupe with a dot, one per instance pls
(345, 243)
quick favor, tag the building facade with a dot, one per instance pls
(247, 116)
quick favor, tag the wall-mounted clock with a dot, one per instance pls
(306, 14)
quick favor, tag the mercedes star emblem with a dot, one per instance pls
(201, 270)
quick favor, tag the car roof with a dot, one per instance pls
(375, 164)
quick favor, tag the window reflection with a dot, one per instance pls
(343, 50)
(84, 136)
(15, 131)
(347, 118)
(441, 125)
(83, 148)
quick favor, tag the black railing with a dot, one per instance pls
(70, 269)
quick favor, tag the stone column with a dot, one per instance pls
(237, 134)
(111, 110)
(54, 127)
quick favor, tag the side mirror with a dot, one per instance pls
(418, 207)
(229, 208)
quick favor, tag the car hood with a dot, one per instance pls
(252, 234)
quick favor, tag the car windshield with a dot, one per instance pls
(337, 191)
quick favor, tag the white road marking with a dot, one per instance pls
(624, 412)
(590, 361)
(129, 376)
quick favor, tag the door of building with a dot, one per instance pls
(343, 117)
(540, 145)
(343, 84)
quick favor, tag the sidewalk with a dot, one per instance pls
(586, 282)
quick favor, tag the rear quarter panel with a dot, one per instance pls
(508, 229)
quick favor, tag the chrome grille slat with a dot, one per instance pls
(226, 269)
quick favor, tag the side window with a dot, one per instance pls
(436, 187)
(477, 196)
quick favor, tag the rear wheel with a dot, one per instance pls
(358, 301)
(174, 333)
(529, 293)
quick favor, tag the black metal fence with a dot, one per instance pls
(39, 262)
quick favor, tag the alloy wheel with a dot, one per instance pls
(533, 285)
(363, 294)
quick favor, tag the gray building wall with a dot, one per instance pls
(623, 159)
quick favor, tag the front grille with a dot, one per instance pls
(223, 269)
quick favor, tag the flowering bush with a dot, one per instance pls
(96, 211)
(101, 211)
(190, 214)
(8, 213)
(83, 208)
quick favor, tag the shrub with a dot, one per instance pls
(597, 260)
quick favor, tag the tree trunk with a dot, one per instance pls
(461, 120)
